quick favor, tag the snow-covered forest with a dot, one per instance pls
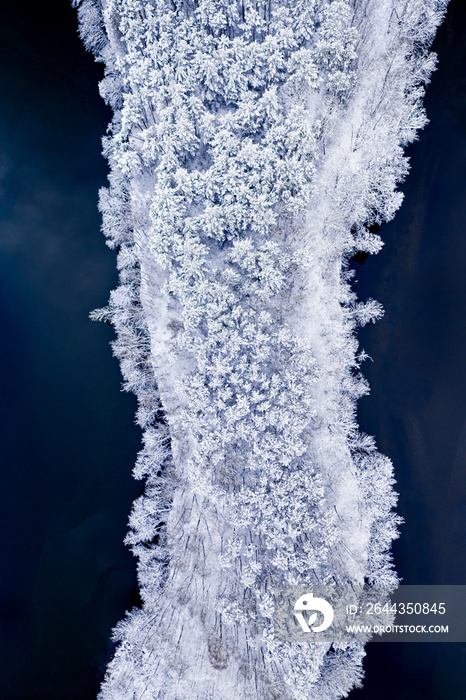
(255, 148)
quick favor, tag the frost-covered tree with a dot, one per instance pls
(253, 147)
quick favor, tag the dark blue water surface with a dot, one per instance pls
(67, 437)
(417, 405)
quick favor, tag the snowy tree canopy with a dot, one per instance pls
(252, 149)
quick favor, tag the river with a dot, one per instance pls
(67, 436)
(417, 405)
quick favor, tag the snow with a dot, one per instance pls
(251, 149)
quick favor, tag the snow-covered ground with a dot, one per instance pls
(253, 147)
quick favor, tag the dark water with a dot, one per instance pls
(417, 406)
(67, 438)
